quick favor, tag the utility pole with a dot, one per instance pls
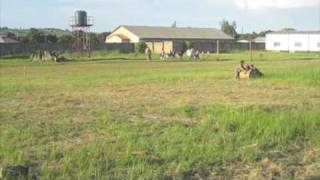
(250, 47)
(218, 47)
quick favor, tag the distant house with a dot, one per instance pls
(260, 39)
(168, 38)
(7, 45)
(256, 40)
(8, 40)
(243, 41)
(293, 41)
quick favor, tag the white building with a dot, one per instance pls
(293, 41)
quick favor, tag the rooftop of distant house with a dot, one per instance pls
(7, 40)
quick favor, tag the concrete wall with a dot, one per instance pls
(221, 46)
(15, 49)
(122, 48)
(293, 42)
(114, 39)
(158, 46)
(202, 45)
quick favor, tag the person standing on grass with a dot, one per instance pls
(162, 55)
(148, 54)
(180, 54)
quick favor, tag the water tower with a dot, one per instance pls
(80, 24)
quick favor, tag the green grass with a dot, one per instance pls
(128, 119)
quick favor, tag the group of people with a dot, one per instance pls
(191, 53)
(171, 55)
(242, 67)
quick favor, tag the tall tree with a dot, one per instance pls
(263, 33)
(11, 35)
(229, 28)
(95, 41)
(23, 39)
(65, 39)
(35, 36)
(50, 38)
(102, 36)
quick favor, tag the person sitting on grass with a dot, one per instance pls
(241, 67)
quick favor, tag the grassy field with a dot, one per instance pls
(107, 118)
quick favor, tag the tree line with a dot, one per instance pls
(230, 28)
(37, 36)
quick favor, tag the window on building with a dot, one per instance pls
(276, 44)
(297, 44)
(318, 44)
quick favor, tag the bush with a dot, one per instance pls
(187, 45)
(140, 47)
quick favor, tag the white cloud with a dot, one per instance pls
(284, 4)
(245, 4)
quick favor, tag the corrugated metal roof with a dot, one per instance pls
(295, 32)
(149, 32)
(259, 39)
(7, 40)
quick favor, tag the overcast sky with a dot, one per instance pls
(250, 15)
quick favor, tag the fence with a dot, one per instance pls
(21, 48)
(213, 47)
(16, 49)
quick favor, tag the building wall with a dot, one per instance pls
(293, 42)
(202, 45)
(314, 44)
(114, 39)
(158, 46)
(122, 31)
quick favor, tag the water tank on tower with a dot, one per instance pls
(81, 18)
(80, 24)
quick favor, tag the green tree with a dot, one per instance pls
(253, 35)
(11, 35)
(50, 38)
(263, 33)
(23, 39)
(140, 47)
(228, 28)
(187, 45)
(102, 36)
(94, 39)
(35, 36)
(65, 39)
